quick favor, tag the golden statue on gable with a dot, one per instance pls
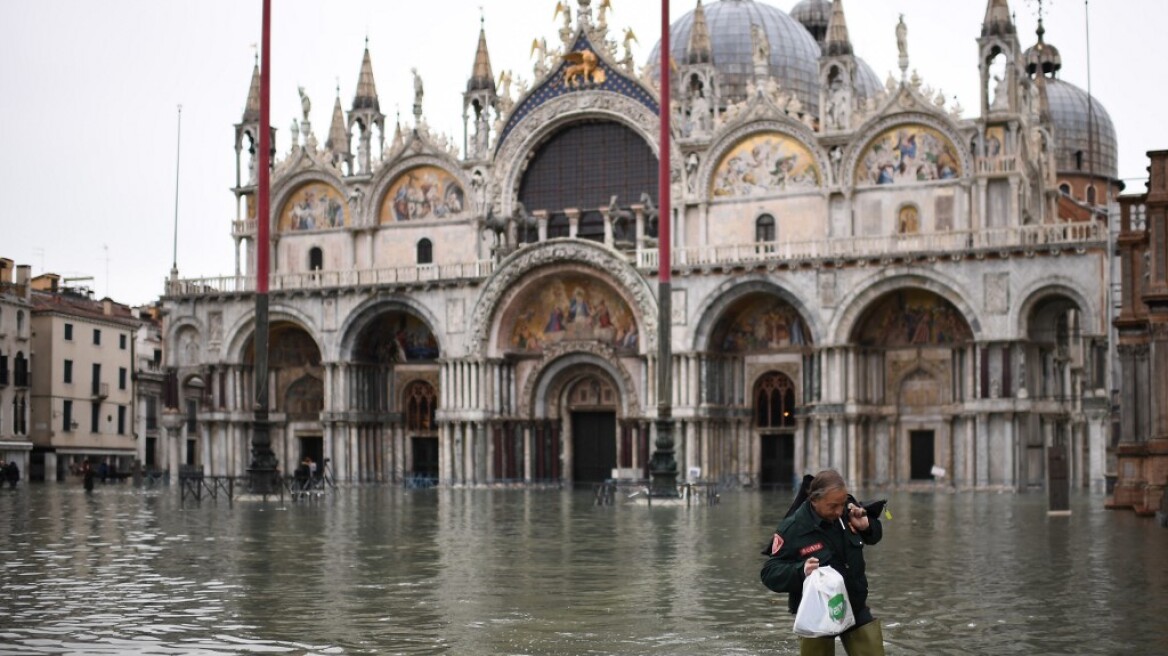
(583, 70)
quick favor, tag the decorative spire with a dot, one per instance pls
(251, 110)
(338, 137)
(997, 19)
(700, 50)
(398, 138)
(481, 77)
(366, 96)
(837, 42)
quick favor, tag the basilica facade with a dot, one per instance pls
(864, 278)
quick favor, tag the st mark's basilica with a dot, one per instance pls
(865, 277)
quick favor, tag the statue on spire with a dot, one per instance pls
(305, 103)
(902, 45)
(418, 93)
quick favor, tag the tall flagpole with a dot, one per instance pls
(177, 160)
(663, 467)
(263, 464)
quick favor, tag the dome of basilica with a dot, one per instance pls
(794, 52)
(1078, 147)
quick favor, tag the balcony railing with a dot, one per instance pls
(422, 273)
(949, 242)
(952, 242)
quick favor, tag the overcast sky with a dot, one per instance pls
(89, 93)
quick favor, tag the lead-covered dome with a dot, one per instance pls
(793, 59)
(1084, 135)
(814, 15)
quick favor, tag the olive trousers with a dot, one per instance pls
(866, 640)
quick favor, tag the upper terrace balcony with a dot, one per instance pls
(954, 244)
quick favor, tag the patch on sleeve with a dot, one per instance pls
(776, 544)
(810, 549)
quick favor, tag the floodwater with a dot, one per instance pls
(395, 571)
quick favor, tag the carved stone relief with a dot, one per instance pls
(997, 292)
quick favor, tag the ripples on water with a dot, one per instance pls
(379, 570)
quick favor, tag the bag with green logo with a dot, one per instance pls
(824, 609)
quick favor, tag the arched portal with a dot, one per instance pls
(419, 403)
(295, 392)
(774, 420)
(1057, 363)
(912, 368)
(391, 388)
(762, 339)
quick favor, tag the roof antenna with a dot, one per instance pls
(177, 151)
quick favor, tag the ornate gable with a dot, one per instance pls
(584, 68)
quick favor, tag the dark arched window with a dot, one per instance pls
(315, 259)
(425, 251)
(775, 401)
(20, 370)
(420, 403)
(764, 228)
(582, 167)
(1091, 194)
(1065, 189)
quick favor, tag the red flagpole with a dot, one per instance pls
(262, 192)
(663, 465)
(663, 217)
(264, 464)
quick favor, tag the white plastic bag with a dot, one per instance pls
(824, 609)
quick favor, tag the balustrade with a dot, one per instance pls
(1054, 235)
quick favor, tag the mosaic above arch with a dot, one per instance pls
(764, 163)
(912, 317)
(759, 323)
(568, 307)
(422, 193)
(908, 153)
(313, 206)
(396, 337)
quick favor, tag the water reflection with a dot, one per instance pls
(377, 570)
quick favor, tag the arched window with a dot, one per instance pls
(908, 220)
(315, 259)
(425, 251)
(20, 416)
(764, 228)
(583, 166)
(1065, 189)
(20, 370)
(1091, 194)
(1079, 160)
(775, 401)
(420, 403)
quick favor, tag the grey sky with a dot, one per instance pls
(90, 91)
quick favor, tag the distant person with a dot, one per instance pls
(302, 474)
(12, 474)
(87, 475)
(829, 528)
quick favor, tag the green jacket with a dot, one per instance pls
(804, 535)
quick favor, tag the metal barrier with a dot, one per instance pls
(607, 493)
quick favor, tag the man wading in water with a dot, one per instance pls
(829, 528)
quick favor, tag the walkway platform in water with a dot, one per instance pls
(639, 492)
